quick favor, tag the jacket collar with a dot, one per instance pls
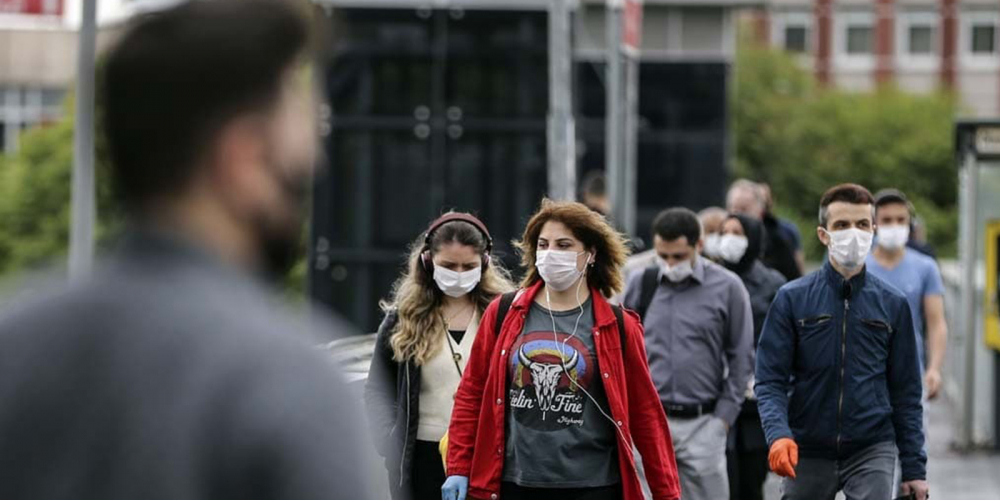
(845, 287)
(603, 315)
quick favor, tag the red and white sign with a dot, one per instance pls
(32, 7)
(632, 29)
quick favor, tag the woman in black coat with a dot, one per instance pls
(741, 248)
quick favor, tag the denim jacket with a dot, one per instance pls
(837, 369)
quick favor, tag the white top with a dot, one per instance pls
(439, 382)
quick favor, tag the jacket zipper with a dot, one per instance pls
(843, 362)
(406, 437)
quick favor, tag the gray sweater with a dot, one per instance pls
(170, 376)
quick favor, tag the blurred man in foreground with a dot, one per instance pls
(170, 374)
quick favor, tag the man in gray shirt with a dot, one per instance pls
(699, 339)
(170, 375)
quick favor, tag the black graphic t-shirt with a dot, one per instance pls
(556, 435)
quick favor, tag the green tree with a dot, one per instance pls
(35, 196)
(802, 139)
(35, 199)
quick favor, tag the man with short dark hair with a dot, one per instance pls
(914, 274)
(837, 374)
(594, 192)
(170, 374)
(699, 339)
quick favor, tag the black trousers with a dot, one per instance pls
(511, 491)
(746, 456)
(428, 471)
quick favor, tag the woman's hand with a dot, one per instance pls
(455, 488)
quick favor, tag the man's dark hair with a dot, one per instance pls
(594, 184)
(890, 197)
(846, 193)
(176, 77)
(674, 223)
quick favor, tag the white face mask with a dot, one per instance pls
(677, 273)
(712, 243)
(893, 237)
(849, 247)
(558, 268)
(456, 284)
(732, 248)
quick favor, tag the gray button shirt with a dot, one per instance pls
(695, 330)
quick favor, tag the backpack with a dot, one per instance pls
(647, 288)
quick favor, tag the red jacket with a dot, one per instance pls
(476, 435)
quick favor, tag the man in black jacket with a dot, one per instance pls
(170, 374)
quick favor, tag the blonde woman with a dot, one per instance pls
(423, 346)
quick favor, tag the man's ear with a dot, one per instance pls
(824, 238)
(238, 148)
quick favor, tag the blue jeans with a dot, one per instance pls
(868, 475)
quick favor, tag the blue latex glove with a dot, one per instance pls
(455, 488)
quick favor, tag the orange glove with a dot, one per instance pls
(784, 457)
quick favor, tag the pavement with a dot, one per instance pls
(950, 474)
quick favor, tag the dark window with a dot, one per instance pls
(682, 153)
(859, 40)
(984, 39)
(797, 39)
(921, 40)
(430, 112)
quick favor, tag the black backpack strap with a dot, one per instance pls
(505, 302)
(620, 317)
(647, 288)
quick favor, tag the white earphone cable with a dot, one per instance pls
(562, 359)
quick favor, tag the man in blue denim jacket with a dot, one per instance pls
(837, 371)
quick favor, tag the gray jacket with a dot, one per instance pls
(170, 376)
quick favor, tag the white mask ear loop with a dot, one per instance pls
(562, 360)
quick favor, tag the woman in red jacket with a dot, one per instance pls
(553, 401)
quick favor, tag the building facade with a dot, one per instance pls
(38, 40)
(920, 45)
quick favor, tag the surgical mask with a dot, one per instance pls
(733, 247)
(712, 242)
(558, 268)
(893, 237)
(456, 284)
(849, 247)
(677, 273)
